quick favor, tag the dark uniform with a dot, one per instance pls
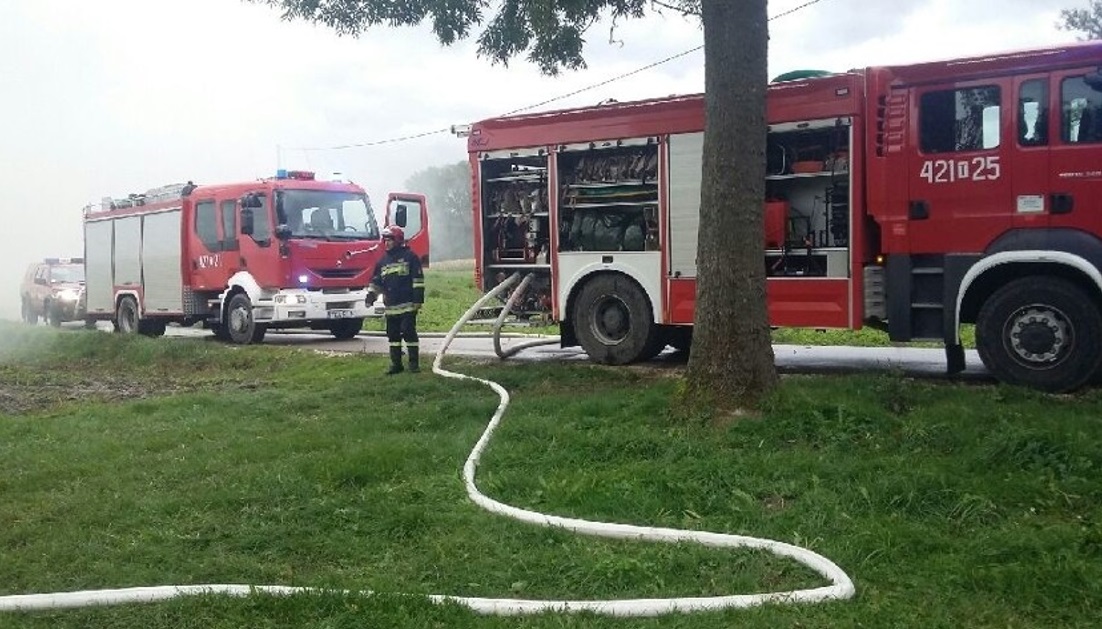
(400, 279)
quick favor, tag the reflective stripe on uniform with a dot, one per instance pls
(395, 268)
(398, 309)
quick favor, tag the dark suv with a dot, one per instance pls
(54, 290)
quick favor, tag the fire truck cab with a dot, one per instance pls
(910, 198)
(290, 251)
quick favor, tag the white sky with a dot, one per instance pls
(107, 97)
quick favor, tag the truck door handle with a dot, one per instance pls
(1061, 203)
(919, 211)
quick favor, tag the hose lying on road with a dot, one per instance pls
(841, 586)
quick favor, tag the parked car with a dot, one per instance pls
(53, 290)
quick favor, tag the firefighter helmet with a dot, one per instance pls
(393, 232)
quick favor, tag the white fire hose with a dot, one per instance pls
(841, 586)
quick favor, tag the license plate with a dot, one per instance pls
(341, 314)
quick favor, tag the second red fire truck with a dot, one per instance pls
(290, 251)
(911, 198)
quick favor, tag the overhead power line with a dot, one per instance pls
(406, 138)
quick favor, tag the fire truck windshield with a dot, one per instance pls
(69, 273)
(327, 214)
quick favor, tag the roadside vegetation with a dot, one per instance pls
(127, 461)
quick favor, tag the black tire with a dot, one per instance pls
(152, 328)
(126, 316)
(344, 329)
(681, 338)
(240, 326)
(29, 315)
(221, 332)
(1040, 332)
(53, 315)
(613, 321)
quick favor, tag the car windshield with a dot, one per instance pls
(327, 214)
(69, 273)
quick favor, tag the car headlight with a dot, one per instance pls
(68, 294)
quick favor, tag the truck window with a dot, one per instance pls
(1081, 115)
(229, 219)
(262, 223)
(206, 225)
(965, 119)
(1033, 113)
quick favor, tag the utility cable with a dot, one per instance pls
(415, 136)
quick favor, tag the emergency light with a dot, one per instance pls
(301, 175)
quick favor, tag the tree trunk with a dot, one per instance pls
(731, 362)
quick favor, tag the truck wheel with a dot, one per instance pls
(152, 328)
(345, 329)
(126, 316)
(613, 321)
(1041, 332)
(681, 338)
(241, 328)
(29, 315)
(53, 314)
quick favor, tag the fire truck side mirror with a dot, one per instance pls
(282, 231)
(400, 216)
(252, 200)
(247, 221)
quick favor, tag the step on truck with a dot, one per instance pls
(290, 251)
(911, 198)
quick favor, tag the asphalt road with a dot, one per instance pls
(912, 361)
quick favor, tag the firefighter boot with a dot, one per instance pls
(414, 359)
(395, 361)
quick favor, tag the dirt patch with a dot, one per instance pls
(30, 396)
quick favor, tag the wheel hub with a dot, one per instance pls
(612, 321)
(1039, 335)
(239, 320)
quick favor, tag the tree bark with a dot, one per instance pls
(731, 364)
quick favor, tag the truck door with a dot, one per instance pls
(206, 258)
(257, 253)
(411, 213)
(959, 179)
(1076, 169)
(1032, 136)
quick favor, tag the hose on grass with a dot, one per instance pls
(841, 587)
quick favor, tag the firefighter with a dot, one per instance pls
(398, 276)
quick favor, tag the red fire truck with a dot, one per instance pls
(290, 251)
(910, 198)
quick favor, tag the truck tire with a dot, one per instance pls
(1040, 332)
(53, 314)
(29, 315)
(126, 316)
(613, 321)
(241, 328)
(344, 329)
(152, 328)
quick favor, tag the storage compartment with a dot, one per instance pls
(608, 197)
(808, 200)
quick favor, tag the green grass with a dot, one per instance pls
(449, 293)
(950, 505)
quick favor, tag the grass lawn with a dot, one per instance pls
(127, 461)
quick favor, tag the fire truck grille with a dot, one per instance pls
(340, 305)
(338, 274)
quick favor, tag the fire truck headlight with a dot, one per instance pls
(302, 279)
(68, 294)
